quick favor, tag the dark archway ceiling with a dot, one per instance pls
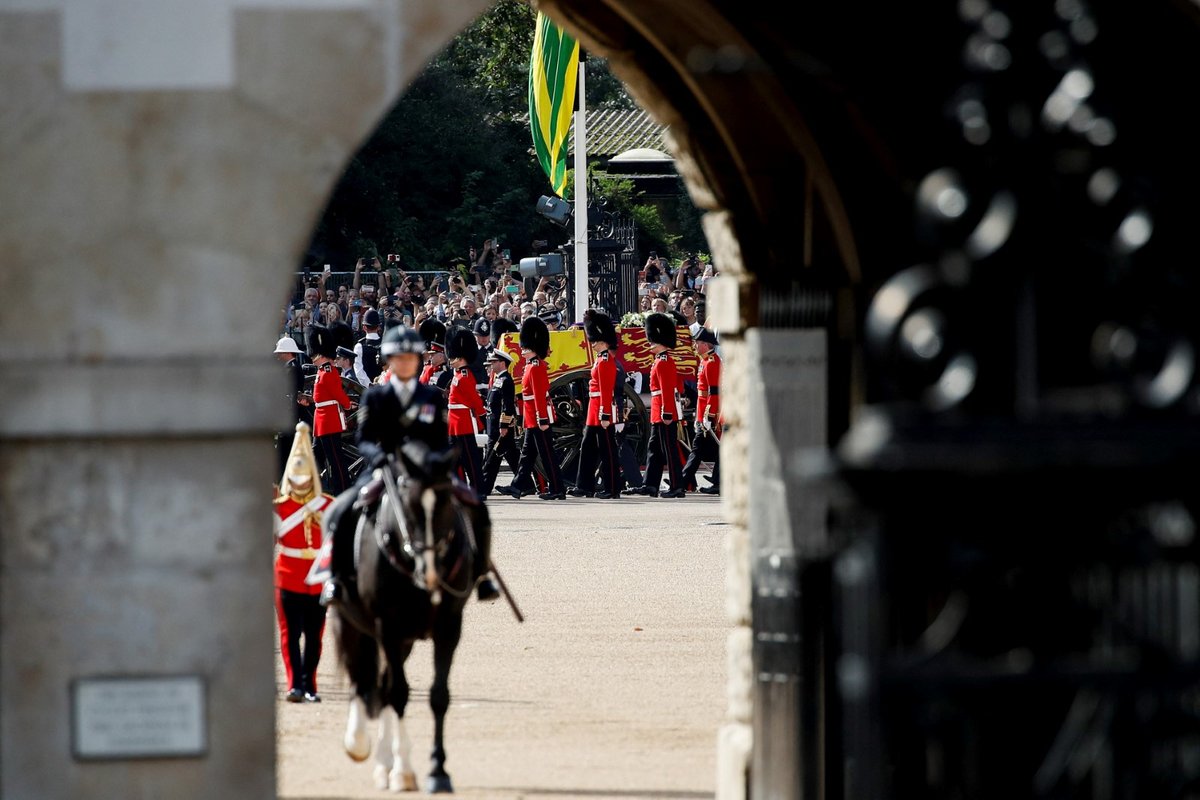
(1056, 124)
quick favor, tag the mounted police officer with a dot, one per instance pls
(391, 415)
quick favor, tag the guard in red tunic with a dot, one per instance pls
(435, 372)
(330, 402)
(709, 422)
(298, 513)
(538, 415)
(466, 407)
(599, 436)
(664, 410)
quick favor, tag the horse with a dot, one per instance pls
(416, 571)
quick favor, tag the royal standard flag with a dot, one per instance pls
(553, 69)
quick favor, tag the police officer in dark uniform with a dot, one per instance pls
(478, 366)
(401, 411)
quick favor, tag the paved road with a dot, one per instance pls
(614, 687)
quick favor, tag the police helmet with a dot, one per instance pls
(401, 339)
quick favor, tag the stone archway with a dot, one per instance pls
(171, 163)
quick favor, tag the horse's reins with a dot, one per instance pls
(433, 579)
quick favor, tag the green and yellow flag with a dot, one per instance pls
(553, 69)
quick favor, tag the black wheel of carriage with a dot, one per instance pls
(569, 394)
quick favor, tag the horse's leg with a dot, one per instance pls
(447, 631)
(356, 741)
(400, 776)
(360, 656)
(383, 746)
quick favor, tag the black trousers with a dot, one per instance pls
(663, 451)
(599, 445)
(337, 475)
(501, 449)
(470, 461)
(537, 443)
(300, 616)
(705, 447)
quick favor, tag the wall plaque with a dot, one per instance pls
(136, 717)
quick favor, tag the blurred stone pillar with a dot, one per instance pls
(163, 166)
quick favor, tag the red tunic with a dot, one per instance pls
(600, 389)
(535, 395)
(330, 400)
(664, 385)
(466, 405)
(298, 535)
(708, 384)
(427, 372)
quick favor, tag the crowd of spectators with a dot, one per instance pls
(481, 286)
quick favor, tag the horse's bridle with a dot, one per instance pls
(411, 547)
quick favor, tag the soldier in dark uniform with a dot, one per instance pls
(403, 410)
(288, 353)
(599, 435)
(501, 420)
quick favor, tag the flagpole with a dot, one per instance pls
(581, 221)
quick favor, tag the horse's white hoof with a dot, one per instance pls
(381, 777)
(358, 746)
(402, 781)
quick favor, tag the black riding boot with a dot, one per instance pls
(481, 524)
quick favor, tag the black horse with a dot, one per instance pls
(416, 569)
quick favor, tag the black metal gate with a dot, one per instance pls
(612, 270)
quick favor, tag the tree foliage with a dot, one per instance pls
(451, 164)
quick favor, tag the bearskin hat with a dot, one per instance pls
(324, 341)
(434, 333)
(660, 329)
(501, 326)
(535, 336)
(598, 327)
(460, 343)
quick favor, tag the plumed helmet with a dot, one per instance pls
(434, 333)
(501, 326)
(401, 339)
(660, 329)
(301, 475)
(460, 343)
(535, 336)
(598, 327)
